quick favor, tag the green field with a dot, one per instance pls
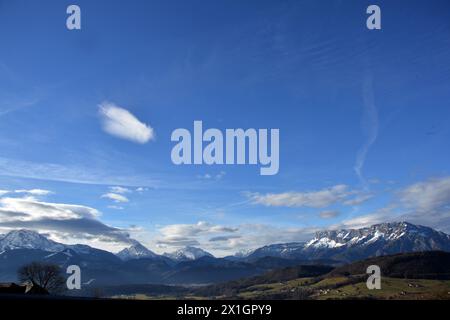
(392, 288)
(330, 288)
(345, 288)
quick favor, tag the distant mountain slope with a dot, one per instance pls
(279, 275)
(416, 265)
(133, 265)
(136, 251)
(210, 270)
(101, 265)
(356, 244)
(282, 250)
(188, 253)
(26, 239)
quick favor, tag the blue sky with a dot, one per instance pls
(363, 116)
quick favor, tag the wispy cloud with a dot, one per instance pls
(329, 214)
(34, 192)
(9, 107)
(73, 174)
(121, 123)
(121, 190)
(359, 199)
(115, 197)
(379, 216)
(141, 189)
(314, 199)
(427, 195)
(426, 202)
(115, 207)
(205, 176)
(10, 100)
(208, 176)
(224, 238)
(369, 126)
(177, 235)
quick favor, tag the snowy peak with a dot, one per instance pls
(26, 239)
(376, 234)
(188, 253)
(356, 244)
(136, 251)
(244, 253)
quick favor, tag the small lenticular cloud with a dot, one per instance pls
(123, 124)
(115, 197)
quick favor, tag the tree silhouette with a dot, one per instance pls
(47, 276)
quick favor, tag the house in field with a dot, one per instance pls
(29, 288)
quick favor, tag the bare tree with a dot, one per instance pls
(47, 276)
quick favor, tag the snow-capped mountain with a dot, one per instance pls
(243, 253)
(136, 251)
(188, 253)
(281, 250)
(355, 244)
(26, 239)
(406, 236)
(341, 245)
(194, 265)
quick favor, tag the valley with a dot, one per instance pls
(415, 263)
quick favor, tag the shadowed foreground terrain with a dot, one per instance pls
(411, 276)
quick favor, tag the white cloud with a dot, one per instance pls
(115, 197)
(187, 230)
(121, 190)
(34, 192)
(141, 189)
(314, 199)
(176, 235)
(208, 176)
(35, 209)
(220, 175)
(426, 203)
(68, 223)
(329, 214)
(123, 124)
(258, 235)
(359, 199)
(205, 176)
(427, 196)
(382, 215)
(115, 207)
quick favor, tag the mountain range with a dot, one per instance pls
(139, 265)
(348, 245)
(138, 251)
